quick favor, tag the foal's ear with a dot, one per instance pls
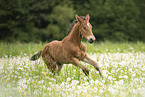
(87, 17)
(79, 19)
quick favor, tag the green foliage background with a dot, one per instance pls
(46, 20)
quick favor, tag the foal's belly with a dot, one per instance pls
(59, 56)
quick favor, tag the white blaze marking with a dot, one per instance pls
(88, 24)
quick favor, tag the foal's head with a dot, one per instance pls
(85, 28)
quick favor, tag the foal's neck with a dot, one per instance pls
(75, 35)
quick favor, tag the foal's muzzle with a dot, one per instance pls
(91, 39)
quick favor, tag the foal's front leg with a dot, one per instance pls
(95, 64)
(76, 62)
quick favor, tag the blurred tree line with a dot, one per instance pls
(46, 20)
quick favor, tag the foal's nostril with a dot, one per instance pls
(91, 40)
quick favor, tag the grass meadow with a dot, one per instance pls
(122, 64)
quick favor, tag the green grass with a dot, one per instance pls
(109, 47)
(16, 49)
(122, 64)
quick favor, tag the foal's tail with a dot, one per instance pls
(36, 56)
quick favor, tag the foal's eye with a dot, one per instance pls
(84, 28)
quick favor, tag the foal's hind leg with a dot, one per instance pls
(51, 63)
(59, 67)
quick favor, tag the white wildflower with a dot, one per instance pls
(68, 79)
(125, 76)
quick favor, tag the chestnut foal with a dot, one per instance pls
(71, 49)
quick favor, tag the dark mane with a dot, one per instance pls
(72, 24)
